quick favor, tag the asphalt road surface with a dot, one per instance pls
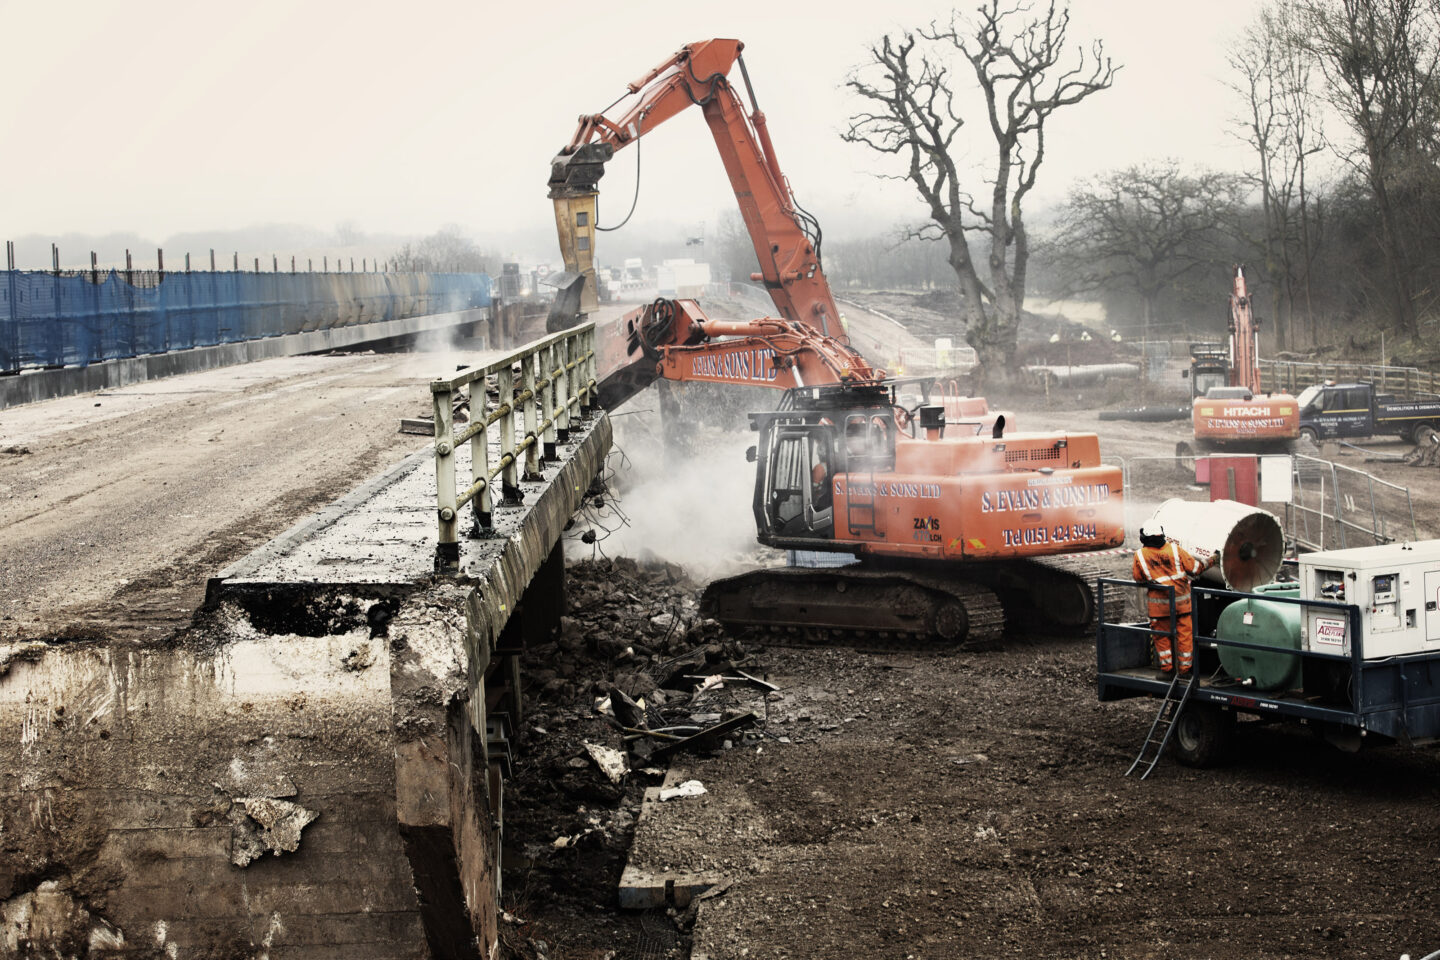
(116, 507)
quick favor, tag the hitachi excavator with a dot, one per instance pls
(1236, 412)
(957, 524)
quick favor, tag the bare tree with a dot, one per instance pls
(1143, 228)
(447, 250)
(1279, 123)
(1021, 66)
(1379, 59)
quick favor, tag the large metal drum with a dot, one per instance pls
(1250, 541)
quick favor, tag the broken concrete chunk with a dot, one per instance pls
(610, 761)
(265, 823)
(690, 788)
(662, 623)
(627, 711)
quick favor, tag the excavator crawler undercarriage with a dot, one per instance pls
(890, 605)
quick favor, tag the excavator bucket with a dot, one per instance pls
(565, 311)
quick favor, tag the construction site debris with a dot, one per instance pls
(1426, 452)
(263, 824)
(690, 788)
(708, 738)
(610, 761)
(572, 682)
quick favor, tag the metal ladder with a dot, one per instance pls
(1176, 696)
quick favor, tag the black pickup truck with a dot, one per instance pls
(1356, 410)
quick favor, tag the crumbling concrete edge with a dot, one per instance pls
(113, 374)
(283, 544)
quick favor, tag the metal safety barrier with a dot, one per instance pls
(538, 389)
(1331, 506)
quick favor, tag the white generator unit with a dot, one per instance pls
(1397, 588)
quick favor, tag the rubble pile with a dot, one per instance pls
(1426, 452)
(628, 678)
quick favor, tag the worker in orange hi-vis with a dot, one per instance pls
(1166, 563)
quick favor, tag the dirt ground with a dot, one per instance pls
(931, 805)
(118, 506)
(923, 805)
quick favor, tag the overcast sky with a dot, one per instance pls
(167, 117)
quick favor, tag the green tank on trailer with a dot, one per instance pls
(1262, 622)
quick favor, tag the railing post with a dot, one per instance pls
(480, 455)
(592, 399)
(547, 357)
(567, 388)
(447, 549)
(582, 378)
(527, 385)
(509, 478)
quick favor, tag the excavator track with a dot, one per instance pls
(857, 605)
(916, 608)
(1056, 594)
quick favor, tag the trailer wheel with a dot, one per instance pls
(1202, 735)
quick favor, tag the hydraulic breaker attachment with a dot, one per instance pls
(573, 180)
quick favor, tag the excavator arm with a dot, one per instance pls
(674, 340)
(786, 238)
(1244, 337)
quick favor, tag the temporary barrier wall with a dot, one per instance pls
(75, 318)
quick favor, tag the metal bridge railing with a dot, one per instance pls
(538, 388)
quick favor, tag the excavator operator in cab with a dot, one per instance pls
(1161, 563)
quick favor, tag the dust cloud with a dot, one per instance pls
(690, 507)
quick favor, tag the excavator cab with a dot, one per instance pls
(798, 475)
(823, 433)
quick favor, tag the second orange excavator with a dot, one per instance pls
(957, 523)
(1239, 412)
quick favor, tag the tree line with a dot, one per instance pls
(1336, 213)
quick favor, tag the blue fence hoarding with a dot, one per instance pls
(79, 318)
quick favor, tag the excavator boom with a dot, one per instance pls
(785, 237)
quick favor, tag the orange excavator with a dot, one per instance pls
(957, 525)
(1236, 413)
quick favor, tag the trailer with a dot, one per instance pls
(1341, 410)
(1350, 648)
